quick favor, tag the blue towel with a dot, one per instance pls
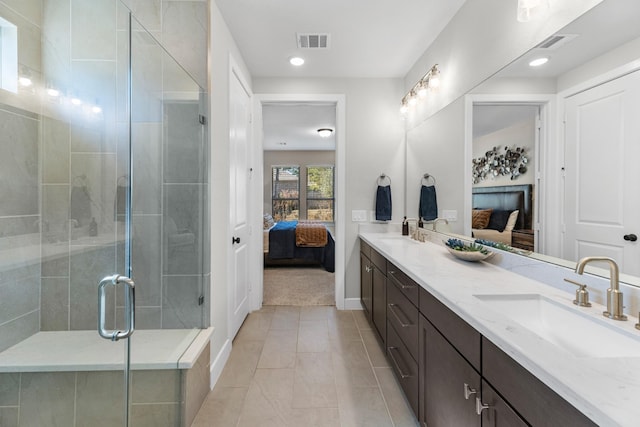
(428, 209)
(383, 203)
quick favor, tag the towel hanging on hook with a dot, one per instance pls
(383, 199)
(428, 208)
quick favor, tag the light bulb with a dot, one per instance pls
(53, 92)
(412, 101)
(296, 61)
(76, 101)
(404, 109)
(422, 92)
(25, 81)
(539, 61)
(96, 109)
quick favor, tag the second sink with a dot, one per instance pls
(564, 326)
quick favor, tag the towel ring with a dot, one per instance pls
(426, 177)
(381, 179)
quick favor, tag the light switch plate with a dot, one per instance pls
(358, 216)
(450, 215)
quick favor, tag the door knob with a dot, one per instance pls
(630, 237)
(235, 240)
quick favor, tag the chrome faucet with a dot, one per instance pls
(437, 220)
(614, 295)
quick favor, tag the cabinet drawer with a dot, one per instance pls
(405, 368)
(365, 248)
(408, 287)
(458, 332)
(533, 400)
(379, 261)
(404, 318)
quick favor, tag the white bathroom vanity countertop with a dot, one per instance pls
(605, 388)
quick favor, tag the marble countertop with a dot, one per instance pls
(606, 389)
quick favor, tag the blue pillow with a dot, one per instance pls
(498, 220)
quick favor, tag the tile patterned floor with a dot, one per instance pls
(306, 366)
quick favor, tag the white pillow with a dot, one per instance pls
(511, 222)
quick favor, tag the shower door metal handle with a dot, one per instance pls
(129, 307)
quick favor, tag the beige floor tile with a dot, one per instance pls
(362, 406)
(399, 408)
(314, 417)
(275, 384)
(313, 336)
(242, 364)
(350, 353)
(221, 408)
(374, 349)
(314, 382)
(285, 317)
(273, 359)
(255, 327)
(361, 320)
(316, 312)
(258, 410)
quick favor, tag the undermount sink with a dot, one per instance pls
(564, 326)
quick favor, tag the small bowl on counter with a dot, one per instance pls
(467, 251)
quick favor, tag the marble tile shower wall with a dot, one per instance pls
(83, 44)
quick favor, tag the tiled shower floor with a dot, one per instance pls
(306, 366)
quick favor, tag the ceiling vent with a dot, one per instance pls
(313, 41)
(556, 41)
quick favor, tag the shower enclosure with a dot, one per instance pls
(103, 171)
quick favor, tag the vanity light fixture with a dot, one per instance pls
(296, 61)
(325, 132)
(539, 61)
(429, 81)
(529, 9)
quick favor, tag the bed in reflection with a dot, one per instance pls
(498, 211)
(298, 243)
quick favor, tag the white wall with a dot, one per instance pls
(222, 46)
(374, 144)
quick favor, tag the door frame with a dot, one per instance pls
(546, 155)
(258, 183)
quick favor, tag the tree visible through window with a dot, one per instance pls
(285, 194)
(320, 197)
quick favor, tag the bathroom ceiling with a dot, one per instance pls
(368, 38)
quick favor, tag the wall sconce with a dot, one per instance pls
(325, 132)
(431, 80)
(529, 9)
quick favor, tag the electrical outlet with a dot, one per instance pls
(450, 215)
(359, 216)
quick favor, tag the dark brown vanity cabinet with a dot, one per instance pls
(450, 374)
(373, 288)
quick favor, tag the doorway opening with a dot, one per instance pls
(301, 183)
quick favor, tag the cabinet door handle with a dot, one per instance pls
(402, 285)
(395, 314)
(468, 391)
(395, 362)
(367, 268)
(480, 406)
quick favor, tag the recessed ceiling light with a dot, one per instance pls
(538, 61)
(296, 60)
(325, 132)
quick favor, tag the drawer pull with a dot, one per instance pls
(395, 362)
(368, 269)
(395, 314)
(480, 406)
(468, 391)
(402, 285)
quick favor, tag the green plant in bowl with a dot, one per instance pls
(459, 245)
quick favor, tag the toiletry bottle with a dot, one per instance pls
(420, 223)
(93, 228)
(405, 227)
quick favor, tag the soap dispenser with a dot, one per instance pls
(93, 228)
(420, 223)
(405, 227)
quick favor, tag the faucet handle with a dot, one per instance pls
(582, 295)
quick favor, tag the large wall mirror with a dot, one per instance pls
(557, 142)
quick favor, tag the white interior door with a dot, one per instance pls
(239, 126)
(602, 148)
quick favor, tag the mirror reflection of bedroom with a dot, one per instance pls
(505, 140)
(298, 203)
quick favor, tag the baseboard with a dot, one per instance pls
(352, 304)
(218, 364)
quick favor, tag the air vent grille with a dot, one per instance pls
(313, 41)
(556, 41)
